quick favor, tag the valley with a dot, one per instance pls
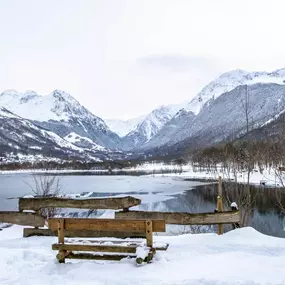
(235, 104)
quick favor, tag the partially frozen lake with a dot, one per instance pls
(151, 190)
(156, 193)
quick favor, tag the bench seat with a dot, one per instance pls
(107, 249)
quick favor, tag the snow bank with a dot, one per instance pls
(243, 256)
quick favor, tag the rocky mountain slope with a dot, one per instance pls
(223, 118)
(149, 127)
(62, 114)
(207, 114)
(20, 135)
(229, 81)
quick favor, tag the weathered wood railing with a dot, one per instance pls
(23, 219)
(178, 218)
(100, 203)
(36, 221)
(122, 203)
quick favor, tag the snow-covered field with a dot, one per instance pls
(268, 177)
(243, 256)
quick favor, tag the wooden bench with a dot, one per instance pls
(122, 248)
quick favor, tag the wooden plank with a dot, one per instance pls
(148, 226)
(178, 218)
(28, 232)
(157, 246)
(96, 248)
(91, 256)
(106, 242)
(54, 202)
(22, 218)
(137, 226)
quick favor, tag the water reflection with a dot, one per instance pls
(266, 215)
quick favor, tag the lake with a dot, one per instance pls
(156, 193)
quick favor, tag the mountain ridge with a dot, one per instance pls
(60, 113)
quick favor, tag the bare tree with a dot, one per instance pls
(47, 186)
(245, 105)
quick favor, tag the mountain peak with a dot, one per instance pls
(62, 96)
(10, 92)
(229, 81)
(234, 73)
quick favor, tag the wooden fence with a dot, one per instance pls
(37, 222)
(178, 218)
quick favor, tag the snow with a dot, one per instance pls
(142, 252)
(273, 118)
(29, 135)
(28, 196)
(60, 141)
(186, 171)
(123, 127)
(153, 123)
(243, 256)
(268, 175)
(7, 114)
(57, 106)
(234, 205)
(229, 81)
(35, 147)
(75, 138)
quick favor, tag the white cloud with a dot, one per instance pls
(123, 58)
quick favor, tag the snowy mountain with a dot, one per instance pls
(149, 127)
(223, 118)
(123, 127)
(229, 81)
(18, 135)
(58, 122)
(84, 142)
(62, 114)
(206, 114)
(166, 125)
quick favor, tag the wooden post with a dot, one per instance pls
(61, 253)
(148, 225)
(220, 203)
(38, 212)
(234, 208)
(61, 231)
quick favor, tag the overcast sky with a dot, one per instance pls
(122, 58)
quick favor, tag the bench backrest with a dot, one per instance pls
(114, 225)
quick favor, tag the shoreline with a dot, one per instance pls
(268, 177)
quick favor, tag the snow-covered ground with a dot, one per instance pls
(268, 177)
(242, 256)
